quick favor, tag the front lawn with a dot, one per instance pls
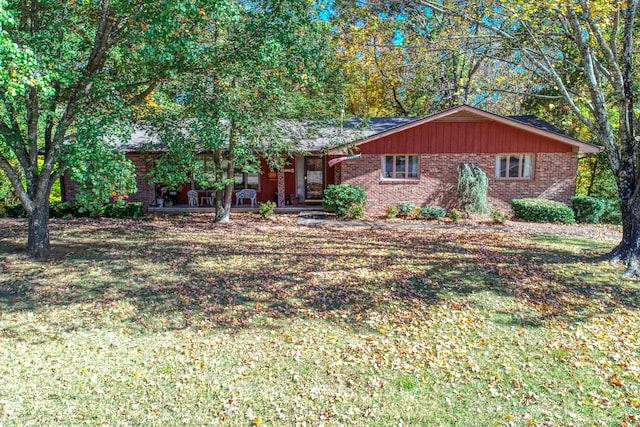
(179, 321)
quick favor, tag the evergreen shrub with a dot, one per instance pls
(341, 198)
(542, 210)
(588, 209)
(432, 212)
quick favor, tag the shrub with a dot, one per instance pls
(357, 211)
(65, 210)
(414, 213)
(124, 210)
(588, 209)
(612, 213)
(15, 211)
(473, 187)
(498, 216)
(392, 211)
(432, 212)
(267, 209)
(455, 215)
(542, 210)
(404, 208)
(339, 199)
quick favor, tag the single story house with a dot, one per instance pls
(408, 159)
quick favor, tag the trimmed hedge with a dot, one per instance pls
(542, 210)
(612, 213)
(342, 199)
(588, 209)
(432, 212)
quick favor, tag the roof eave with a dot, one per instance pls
(582, 147)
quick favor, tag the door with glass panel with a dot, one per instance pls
(313, 178)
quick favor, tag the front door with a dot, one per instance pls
(313, 177)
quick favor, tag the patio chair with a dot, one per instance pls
(247, 193)
(193, 197)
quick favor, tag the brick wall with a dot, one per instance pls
(554, 178)
(146, 192)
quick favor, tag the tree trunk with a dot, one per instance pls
(38, 239)
(223, 209)
(628, 251)
(223, 204)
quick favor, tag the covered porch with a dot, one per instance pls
(286, 209)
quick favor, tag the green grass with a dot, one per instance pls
(183, 322)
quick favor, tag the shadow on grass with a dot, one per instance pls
(173, 278)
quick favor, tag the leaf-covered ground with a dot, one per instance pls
(179, 321)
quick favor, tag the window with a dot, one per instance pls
(204, 177)
(400, 167)
(245, 180)
(514, 166)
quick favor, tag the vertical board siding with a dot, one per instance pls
(463, 137)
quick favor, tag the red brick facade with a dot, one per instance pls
(553, 178)
(442, 142)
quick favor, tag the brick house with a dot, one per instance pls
(522, 156)
(408, 159)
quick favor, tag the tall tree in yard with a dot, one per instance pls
(78, 68)
(261, 63)
(594, 42)
(403, 59)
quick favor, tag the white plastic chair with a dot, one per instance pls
(247, 193)
(193, 197)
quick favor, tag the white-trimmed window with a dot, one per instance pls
(514, 166)
(246, 180)
(403, 166)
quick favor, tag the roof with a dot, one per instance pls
(466, 113)
(535, 121)
(334, 136)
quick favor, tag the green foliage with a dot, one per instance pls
(472, 188)
(392, 212)
(595, 177)
(267, 209)
(7, 194)
(14, 211)
(432, 212)
(119, 209)
(405, 208)
(588, 209)
(542, 210)
(103, 175)
(498, 216)
(124, 210)
(257, 66)
(454, 215)
(356, 211)
(612, 213)
(65, 210)
(340, 199)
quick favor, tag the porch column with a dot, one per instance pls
(281, 188)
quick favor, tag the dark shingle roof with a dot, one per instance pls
(319, 136)
(537, 122)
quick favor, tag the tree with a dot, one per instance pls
(594, 40)
(77, 68)
(260, 65)
(401, 58)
